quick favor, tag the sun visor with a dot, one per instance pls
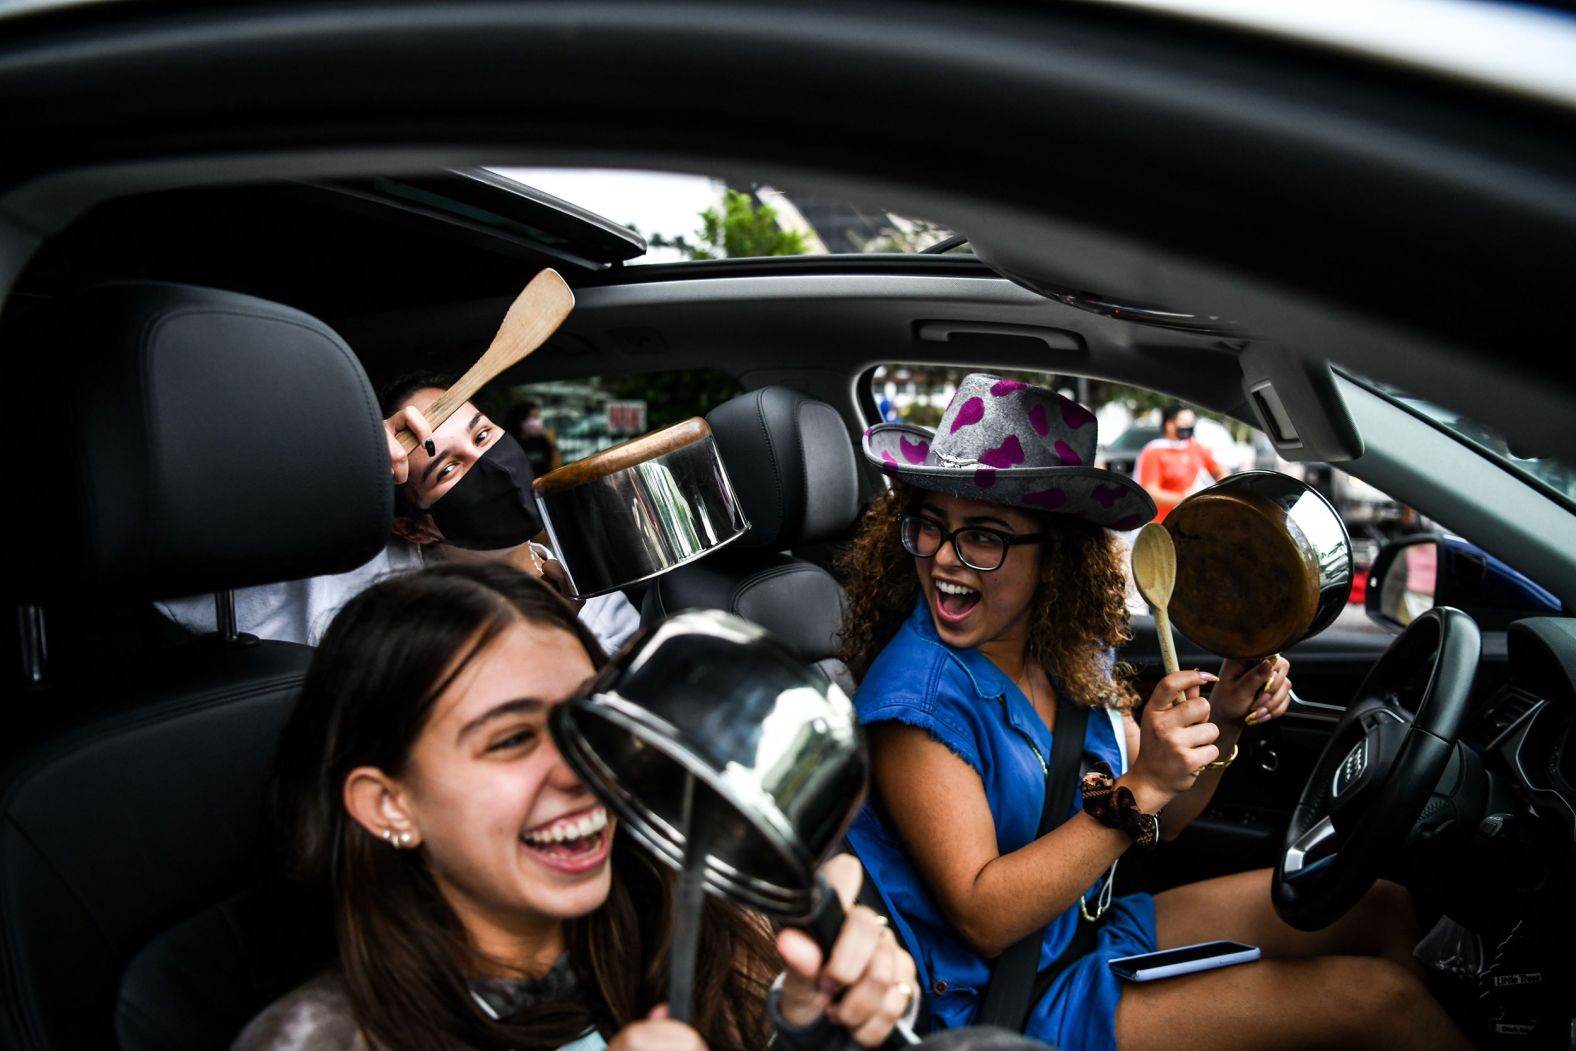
(1298, 406)
(1028, 269)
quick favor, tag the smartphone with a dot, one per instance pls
(1183, 960)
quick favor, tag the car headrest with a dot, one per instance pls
(791, 461)
(194, 440)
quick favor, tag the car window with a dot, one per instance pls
(1551, 475)
(689, 216)
(1129, 418)
(574, 418)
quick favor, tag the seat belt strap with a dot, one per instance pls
(1013, 978)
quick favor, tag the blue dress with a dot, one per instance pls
(967, 703)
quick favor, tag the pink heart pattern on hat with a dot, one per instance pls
(1002, 388)
(914, 452)
(1008, 454)
(1049, 499)
(973, 411)
(1068, 454)
(1075, 415)
(1106, 495)
(1037, 420)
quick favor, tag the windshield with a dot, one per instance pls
(685, 216)
(1551, 475)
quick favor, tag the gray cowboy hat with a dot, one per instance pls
(1007, 442)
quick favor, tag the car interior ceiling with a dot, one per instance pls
(369, 296)
(402, 289)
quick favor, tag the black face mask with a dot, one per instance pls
(1184, 433)
(492, 506)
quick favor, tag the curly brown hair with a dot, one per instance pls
(1079, 610)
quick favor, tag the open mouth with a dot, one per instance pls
(954, 601)
(573, 842)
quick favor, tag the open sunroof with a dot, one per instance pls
(489, 206)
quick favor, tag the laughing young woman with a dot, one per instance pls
(482, 896)
(986, 599)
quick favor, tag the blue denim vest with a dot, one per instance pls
(969, 705)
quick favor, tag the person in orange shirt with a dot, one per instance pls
(1168, 466)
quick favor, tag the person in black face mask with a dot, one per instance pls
(1169, 466)
(464, 492)
(486, 496)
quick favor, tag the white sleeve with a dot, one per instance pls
(294, 610)
(279, 611)
(611, 618)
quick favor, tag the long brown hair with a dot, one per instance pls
(1079, 609)
(383, 663)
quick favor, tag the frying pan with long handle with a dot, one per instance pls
(1263, 561)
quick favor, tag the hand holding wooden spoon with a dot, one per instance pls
(1155, 574)
(534, 315)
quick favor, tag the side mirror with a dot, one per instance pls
(1402, 581)
(1416, 573)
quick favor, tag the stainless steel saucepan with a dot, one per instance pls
(639, 509)
(729, 760)
(708, 711)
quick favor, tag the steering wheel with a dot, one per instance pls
(1376, 772)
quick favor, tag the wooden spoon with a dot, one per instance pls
(1155, 574)
(534, 315)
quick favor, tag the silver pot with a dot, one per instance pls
(639, 509)
(707, 717)
(1263, 562)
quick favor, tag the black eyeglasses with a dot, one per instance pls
(978, 547)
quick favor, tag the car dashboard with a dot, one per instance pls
(1533, 720)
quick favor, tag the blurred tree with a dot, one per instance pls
(908, 235)
(741, 228)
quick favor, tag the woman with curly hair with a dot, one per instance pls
(986, 600)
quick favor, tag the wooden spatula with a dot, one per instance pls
(534, 315)
(1155, 574)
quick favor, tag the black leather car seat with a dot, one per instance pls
(202, 440)
(791, 460)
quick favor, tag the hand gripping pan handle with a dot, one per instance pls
(824, 924)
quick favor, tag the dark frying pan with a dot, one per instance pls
(1263, 561)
